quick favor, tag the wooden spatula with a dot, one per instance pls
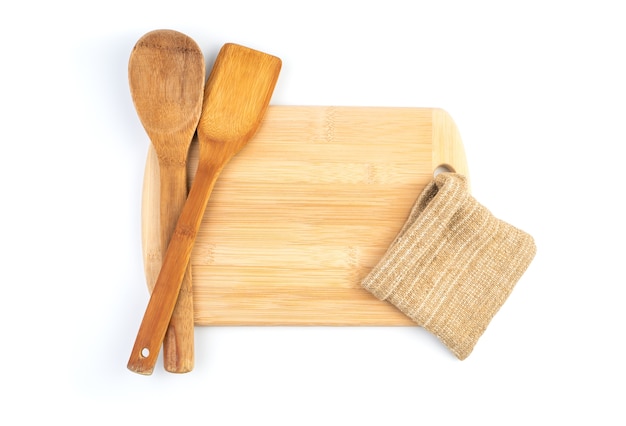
(236, 97)
(166, 77)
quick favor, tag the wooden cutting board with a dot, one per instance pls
(301, 215)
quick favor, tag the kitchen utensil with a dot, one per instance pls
(236, 97)
(166, 74)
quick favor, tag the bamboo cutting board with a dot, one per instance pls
(299, 217)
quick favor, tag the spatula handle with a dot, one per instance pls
(178, 344)
(166, 289)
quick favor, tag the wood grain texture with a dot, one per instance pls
(236, 97)
(166, 73)
(300, 216)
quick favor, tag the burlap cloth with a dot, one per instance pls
(452, 265)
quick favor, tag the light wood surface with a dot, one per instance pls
(166, 74)
(299, 217)
(236, 97)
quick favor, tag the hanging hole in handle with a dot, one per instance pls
(443, 168)
(145, 353)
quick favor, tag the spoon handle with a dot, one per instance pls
(178, 344)
(166, 289)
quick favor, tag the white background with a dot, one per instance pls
(538, 91)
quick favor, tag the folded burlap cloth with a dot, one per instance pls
(452, 265)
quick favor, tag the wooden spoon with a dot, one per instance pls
(166, 74)
(236, 97)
